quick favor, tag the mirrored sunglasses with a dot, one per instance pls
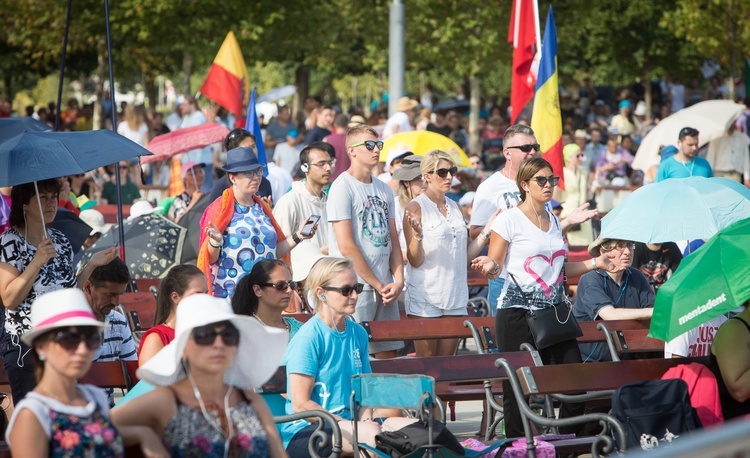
(370, 144)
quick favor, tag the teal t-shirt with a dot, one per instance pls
(330, 357)
(672, 168)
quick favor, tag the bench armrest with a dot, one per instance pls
(319, 437)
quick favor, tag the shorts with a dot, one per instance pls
(421, 308)
(370, 308)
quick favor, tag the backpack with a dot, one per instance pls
(654, 413)
(409, 438)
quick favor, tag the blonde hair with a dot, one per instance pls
(323, 271)
(433, 158)
(359, 129)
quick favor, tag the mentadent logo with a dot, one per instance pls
(701, 309)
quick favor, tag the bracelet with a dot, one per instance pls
(296, 238)
(593, 263)
(418, 238)
(211, 242)
(495, 270)
(484, 234)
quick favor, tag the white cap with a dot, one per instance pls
(467, 199)
(95, 219)
(140, 208)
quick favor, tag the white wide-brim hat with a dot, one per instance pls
(59, 309)
(257, 358)
(304, 256)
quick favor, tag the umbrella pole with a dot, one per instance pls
(41, 212)
(62, 71)
(120, 230)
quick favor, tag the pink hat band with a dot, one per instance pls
(64, 316)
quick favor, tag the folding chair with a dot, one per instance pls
(408, 392)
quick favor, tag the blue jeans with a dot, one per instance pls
(495, 288)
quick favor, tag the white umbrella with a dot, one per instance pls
(277, 93)
(712, 118)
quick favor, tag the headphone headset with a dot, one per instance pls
(304, 167)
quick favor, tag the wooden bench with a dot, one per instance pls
(596, 379)
(140, 309)
(629, 341)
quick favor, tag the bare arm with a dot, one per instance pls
(266, 419)
(153, 410)
(413, 234)
(343, 232)
(391, 291)
(611, 313)
(732, 350)
(474, 231)
(492, 265)
(151, 444)
(300, 389)
(101, 258)
(27, 437)
(476, 245)
(283, 248)
(150, 347)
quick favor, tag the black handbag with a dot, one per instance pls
(547, 326)
(409, 438)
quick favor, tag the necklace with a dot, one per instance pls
(52, 395)
(286, 325)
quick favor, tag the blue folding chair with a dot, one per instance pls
(407, 392)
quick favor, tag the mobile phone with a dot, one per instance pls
(311, 223)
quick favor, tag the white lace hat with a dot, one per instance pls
(258, 355)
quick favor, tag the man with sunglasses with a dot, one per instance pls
(307, 197)
(686, 163)
(500, 190)
(361, 212)
(102, 291)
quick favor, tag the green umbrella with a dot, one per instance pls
(715, 279)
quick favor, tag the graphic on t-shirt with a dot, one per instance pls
(538, 264)
(656, 272)
(511, 198)
(374, 221)
(702, 345)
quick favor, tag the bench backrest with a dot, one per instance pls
(602, 376)
(140, 309)
(635, 341)
(422, 329)
(112, 374)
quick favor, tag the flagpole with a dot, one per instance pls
(536, 22)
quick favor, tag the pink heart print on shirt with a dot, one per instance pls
(538, 265)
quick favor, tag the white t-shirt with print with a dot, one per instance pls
(535, 258)
(695, 342)
(368, 206)
(497, 191)
(399, 119)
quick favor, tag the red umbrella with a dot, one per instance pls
(189, 138)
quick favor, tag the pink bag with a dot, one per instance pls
(518, 449)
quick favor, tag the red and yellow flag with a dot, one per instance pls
(546, 119)
(523, 35)
(227, 83)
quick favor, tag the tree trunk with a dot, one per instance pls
(474, 140)
(732, 33)
(151, 92)
(8, 82)
(187, 71)
(302, 82)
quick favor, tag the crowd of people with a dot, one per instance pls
(328, 228)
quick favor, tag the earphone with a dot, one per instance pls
(305, 167)
(323, 296)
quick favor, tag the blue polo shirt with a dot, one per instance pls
(672, 168)
(596, 289)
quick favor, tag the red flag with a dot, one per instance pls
(227, 82)
(522, 34)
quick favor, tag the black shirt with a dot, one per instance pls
(657, 265)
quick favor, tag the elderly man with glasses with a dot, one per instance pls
(686, 163)
(620, 293)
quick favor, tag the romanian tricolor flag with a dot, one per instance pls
(227, 83)
(546, 119)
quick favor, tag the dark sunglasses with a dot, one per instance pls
(370, 144)
(527, 148)
(346, 290)
(542, 181)
(206, 335)
(281, 285)
(70, 340)
(688, 132)
(442, 173)
(235, 135)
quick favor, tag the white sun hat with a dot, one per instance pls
(257, 358)
(59, 309)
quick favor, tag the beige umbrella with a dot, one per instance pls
(712, 118)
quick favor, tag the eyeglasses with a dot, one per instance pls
(254, 173)
(619, 246)
(323, 164)
(688, 132)
(442, 173)
(206, 335)
(527, 148)
(281, 285)
(346, 290)
(370, 144)
(70, 340)
(542, 181)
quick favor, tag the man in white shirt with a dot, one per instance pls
(729, 156)
(402, 119)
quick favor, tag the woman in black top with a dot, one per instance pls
(730, 362)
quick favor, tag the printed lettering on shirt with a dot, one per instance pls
(374, 221)
(357, 358)
(511, 199)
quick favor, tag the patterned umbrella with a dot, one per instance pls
(189, 138)
(153, 244)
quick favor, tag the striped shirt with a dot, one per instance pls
(117, 343)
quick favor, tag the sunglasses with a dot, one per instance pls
(281, 285)
(206, 335)
(70, 340)
(370, 144)
(442, 173)
(254, 173)
(346, 290)
(542, 181)
(527, 148)
(688, 132)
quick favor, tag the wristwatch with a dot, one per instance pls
(485, 234)
(296, 238)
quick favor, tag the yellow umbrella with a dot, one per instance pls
(421, 142)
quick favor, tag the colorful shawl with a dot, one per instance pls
(220, 212)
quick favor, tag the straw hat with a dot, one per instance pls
(405, 104)
(59, 309)
(262, 347)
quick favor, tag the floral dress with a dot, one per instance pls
(74, 431)
(249, 238)
(189, 434)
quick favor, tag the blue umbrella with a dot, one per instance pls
(35, 156)
(277, 93)
(10, 127)
(678, 209)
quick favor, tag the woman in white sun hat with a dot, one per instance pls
(205, 405)
(73, 419)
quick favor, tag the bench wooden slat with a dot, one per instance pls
(424, 328)
(592, 335)
(636, 341)
(140, 308)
